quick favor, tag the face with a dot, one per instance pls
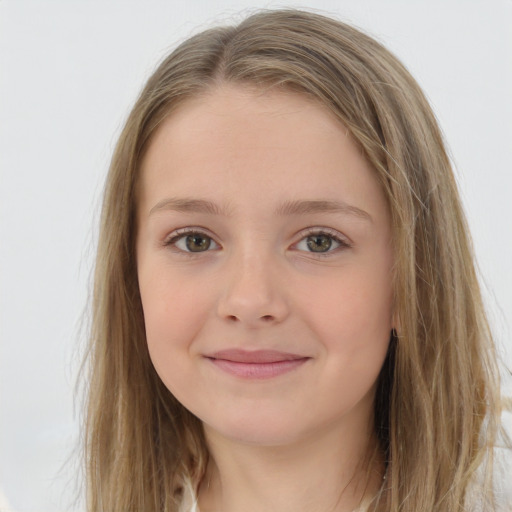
(264, 263)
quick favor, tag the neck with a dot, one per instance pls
(328, 472)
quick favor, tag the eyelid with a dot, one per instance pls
(322, 230)
(171, 239)
(343, 240)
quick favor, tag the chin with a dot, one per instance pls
(255, 431)
(264, 430)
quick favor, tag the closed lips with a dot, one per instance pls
(255, 357)
(261, 364)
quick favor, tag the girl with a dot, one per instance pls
(286, 311)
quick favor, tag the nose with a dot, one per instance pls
(253, 294)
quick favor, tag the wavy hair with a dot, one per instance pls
(437, 402)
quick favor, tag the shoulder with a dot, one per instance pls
(189, 500)
(503, 478)
(479, 498)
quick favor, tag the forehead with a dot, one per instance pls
(279, 144)
(242, 110)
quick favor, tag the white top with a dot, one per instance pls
(503, 459)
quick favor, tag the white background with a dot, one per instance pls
(69, 72)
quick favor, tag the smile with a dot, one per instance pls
(260, 364)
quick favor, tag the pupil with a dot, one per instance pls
(197, 243)
(319, 243)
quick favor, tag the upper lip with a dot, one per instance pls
(254, 356)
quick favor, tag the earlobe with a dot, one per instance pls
(396, 325)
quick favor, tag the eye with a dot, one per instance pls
(320, 242)
(192, 242)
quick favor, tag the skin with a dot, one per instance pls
(296, 440)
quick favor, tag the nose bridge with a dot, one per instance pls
(252, 293)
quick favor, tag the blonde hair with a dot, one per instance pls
(437, 403)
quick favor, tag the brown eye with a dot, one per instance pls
(197, 242)
(319, 243)
(192, 242)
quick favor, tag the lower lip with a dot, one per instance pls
(258, 370)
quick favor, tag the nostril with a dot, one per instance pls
(265, 318)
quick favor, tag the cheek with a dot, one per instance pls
(174, 313)
(352, 316)
(355, 332)
(357, 303)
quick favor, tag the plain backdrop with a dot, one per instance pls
(69, 72)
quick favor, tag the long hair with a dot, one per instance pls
(437, 404)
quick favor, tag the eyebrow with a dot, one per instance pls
(321, 206)
(188, 205)
(289, 208)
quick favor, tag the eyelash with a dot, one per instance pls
(342, 242)
(180, 234)
(183, 233)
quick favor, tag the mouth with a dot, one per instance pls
(259, 364)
